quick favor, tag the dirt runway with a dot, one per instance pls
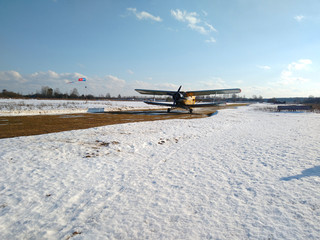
(15, 126)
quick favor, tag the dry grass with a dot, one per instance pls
(315, 107)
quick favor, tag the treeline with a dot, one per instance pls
(296, 100)
(50, 93)
(47, 92)
(9, 94)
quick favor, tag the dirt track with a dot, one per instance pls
(15, 126)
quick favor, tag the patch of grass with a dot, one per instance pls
(267, 108)
(315, 107)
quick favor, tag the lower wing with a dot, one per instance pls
(160, 104)
(200, 105)
(184, 105)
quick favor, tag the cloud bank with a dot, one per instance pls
(66, 82)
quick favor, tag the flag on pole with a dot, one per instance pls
(81, 79)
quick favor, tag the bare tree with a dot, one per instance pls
(74, 93)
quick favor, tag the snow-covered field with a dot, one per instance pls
(241, 174)
(14, 107)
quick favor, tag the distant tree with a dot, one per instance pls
(65, 95)
(234, 97)
(273, 100)
(312, 99)
(74, 93)
(119, 96)
(50, 93)
(108, 95)
(57, 93)
(9, 94)
(44, 91)
(90, 96)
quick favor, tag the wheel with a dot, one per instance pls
(168, 110)
(190, 110)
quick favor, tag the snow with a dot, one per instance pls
(241, 174)
(22, 107)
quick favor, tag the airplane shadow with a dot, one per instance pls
(160, 113)
(148, 112)
(310, 172)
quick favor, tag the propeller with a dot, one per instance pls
(177, 96)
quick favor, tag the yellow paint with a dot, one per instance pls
(190, 100)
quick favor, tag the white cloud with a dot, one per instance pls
(238, 82)
(211, 28)
(144, 15)
(204, 13)
(114, 81)
(65, 82)
(108, 84)
(130, 71)
(299, 18)
(193, 21)
(184, 16)
(302, 64)
(30, 83)
(264, 67)
(211, 40)
(52, 78)
(292, 73)
(213, 83)
(169, 86)
(11, 76)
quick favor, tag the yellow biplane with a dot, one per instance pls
(187, 99)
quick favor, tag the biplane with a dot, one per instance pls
(185, 99)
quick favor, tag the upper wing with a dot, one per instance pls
(159, 103)
(155, 92)
(217, 91)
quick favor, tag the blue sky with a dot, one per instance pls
(265, 47)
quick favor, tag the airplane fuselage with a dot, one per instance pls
(191, 100)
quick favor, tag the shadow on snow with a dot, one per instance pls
(310, 172)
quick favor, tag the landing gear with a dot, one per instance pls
(190, 110)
